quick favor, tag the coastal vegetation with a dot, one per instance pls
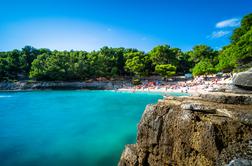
(164, 60)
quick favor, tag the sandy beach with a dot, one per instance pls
(192, 87)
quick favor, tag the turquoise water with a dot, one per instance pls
(68, 128)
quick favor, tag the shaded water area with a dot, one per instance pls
(68, 128)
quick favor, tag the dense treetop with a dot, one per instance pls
(163, 60)
(238, 55)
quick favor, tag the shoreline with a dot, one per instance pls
(161, 90)
(58, 85)
(120, 86)
(193, 87)
(108, 85)
(193, 90)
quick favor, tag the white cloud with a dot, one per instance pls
(218, 34)
(233, 22)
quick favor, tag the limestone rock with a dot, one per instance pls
(197, 107)
(227, 98)
(129, 156)
(243, 79)
(193, 131)
(60, 85)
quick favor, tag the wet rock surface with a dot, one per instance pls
(202, 130)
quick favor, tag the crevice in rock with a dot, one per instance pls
(197, 118)
(218, 139)
(159, 129)
(145, 159)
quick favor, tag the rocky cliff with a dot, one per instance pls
(210, 129)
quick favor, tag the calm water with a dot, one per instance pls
(68, 128)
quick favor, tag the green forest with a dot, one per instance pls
(46, 65)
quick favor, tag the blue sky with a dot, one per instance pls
(142, 24)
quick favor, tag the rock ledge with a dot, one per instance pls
(204, 130)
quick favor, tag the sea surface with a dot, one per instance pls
(68, 128)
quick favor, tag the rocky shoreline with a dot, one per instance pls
(210, 129)
(207, 129)
(58, 85)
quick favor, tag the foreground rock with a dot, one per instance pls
(204, 130)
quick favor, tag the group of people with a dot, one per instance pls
(197, 84)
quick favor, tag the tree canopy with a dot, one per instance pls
(137, 63)
(164, 54)
(163, 60)
(201, 52)
(166, 70)
(238, 54)
(246, 24)
(203, 67)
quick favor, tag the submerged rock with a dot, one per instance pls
(203, 130)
